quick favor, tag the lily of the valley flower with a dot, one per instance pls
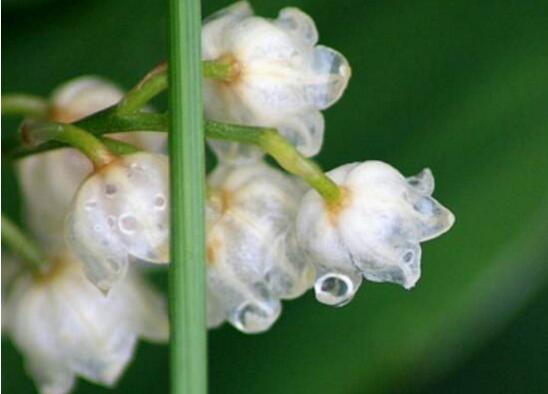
(253, 261)
(374, 231)
(65, 326)
(280, 77)
(50, 179)
(121, 212)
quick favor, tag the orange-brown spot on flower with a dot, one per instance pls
(212, 250)
(334, 208)
(57, 267)
(233, 66)
(62, 115)
(226, 200)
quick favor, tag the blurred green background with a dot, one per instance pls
(458, 86)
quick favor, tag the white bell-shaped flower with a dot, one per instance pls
(64, 326)
(282, 79)
(251, 249)
(121, 212)
(49, 180)
(374, 231)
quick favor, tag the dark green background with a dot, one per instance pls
(459, 86)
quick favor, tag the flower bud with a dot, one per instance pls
(280, 77)
(374, 231)
(65, 327)
(121, 212)
(250, 247)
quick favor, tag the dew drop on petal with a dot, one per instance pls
(110, 189)
(90, 205)
(128, 223)
(252, 317)
(335, 289)
(159, 201)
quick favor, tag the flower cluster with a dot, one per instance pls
(268, 238)
(270, 235)
(59, 320)
(280, 77)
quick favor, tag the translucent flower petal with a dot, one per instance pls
(64, 326)
(283, 80)
(252, 260)
(48, 183)
(122, 211)
(83, 96)
(305, 132)
(375, 231)
(299, 24)
(216, 24)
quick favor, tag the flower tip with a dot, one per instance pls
(104, 287)
(240, 8)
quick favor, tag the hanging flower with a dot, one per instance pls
(374, 231)
(252, 257)
(65, 327)
(281, 78)
(121, 212)
(50, 179)
(57, 318)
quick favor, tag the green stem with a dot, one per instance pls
(117, 147)
(269, 140)
(109, 121)
(21, 244)
(25, 105)
(36, 133)
(150, 86)
(156, 81)
(187, 169)
(287, 156)
(220, 70)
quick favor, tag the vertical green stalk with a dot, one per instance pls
(21, 244)
(187, 271)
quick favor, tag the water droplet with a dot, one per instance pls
(111, 220)
(110, 189)
(334, 289)
(90, 205)
(251, 317)
(159, 201)
(128, 223)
